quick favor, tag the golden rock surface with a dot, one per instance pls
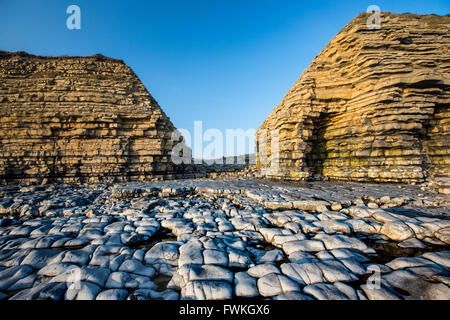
(79, 119)
(373, 105)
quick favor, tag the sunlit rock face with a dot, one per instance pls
(372, 106)
(79, 119)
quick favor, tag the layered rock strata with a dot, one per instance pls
(372, 106)
(79, 119)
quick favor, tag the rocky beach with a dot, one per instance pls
(224, 239)
(345, 197)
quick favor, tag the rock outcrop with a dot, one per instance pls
(79, 119)
(372, 106)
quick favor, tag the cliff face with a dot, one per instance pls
(372, 106)
(79, 119)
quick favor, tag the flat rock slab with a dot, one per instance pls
(271, 256)
(113, 294)
(96, 275)
(82, 291)
(442, 257)
(245, 285)
(261, 270)
(205, 272)
(275, 284)
(408, 262)
(337, 291)
(11, 275)
(397, 230)
(332, 242)
(378, 293)
(39, 258)
(334, 271)
(207, 290)
(292, 295)
(412, 243)
(416, 287)
(45, 291)
(216, 257)
(191, 253)
(136, 267)
(303, 245)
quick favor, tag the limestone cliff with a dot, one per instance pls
(372, 106)
(79, 119)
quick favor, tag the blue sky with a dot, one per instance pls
(227, 63)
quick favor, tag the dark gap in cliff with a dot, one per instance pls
(432, 140)
(316, 153)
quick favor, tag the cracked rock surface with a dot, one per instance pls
(224, 239)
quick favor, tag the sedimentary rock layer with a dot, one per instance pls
(79, 119)
(372, 106)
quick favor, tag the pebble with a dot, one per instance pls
(325, 291)
(77, 257)
(238, 259)
(336, 206)
(24, 283)
(302, 257)
(279, 240)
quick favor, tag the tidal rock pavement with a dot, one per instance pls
(224, 239)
